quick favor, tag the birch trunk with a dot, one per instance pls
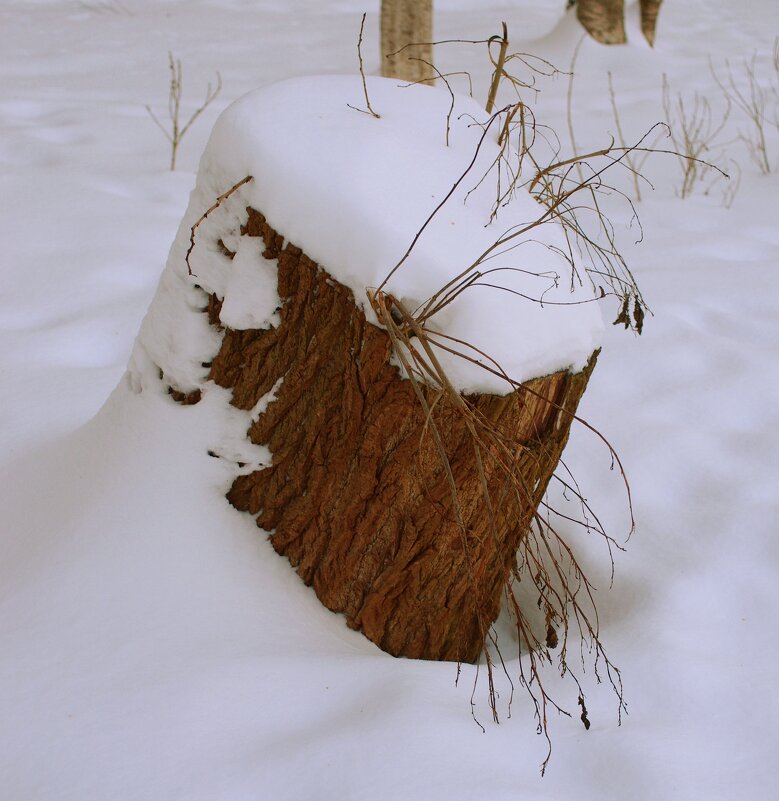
(407, 22)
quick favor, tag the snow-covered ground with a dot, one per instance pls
(152, 644)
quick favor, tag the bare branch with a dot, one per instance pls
(177, 130)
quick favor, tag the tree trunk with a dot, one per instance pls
(604, 20)
(357, 496)
(649, 11)
(407, 22)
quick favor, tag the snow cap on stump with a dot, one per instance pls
(352, 191)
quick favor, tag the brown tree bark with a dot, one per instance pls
(405, 22)
(357, 496)
(649, 11)
(604, 20)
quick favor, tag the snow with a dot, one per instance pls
(250, 299)
(152, 644)
(352, 191)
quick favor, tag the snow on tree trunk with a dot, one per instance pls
(356, 496)
(405, 22)
(604, 20)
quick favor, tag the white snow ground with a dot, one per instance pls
(152, 645)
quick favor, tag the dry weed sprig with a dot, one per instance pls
(535, 65)
(569, 99)
(442, 75)
(751, 101)
(553, 188)
(634, 166)
(731, 189)
(362, 75)
(552, 566)
(693, 131)
(177, 130)
(499, 65)
(545, 561)
(444, 78)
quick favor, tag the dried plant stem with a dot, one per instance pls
(566, 596)
(751, 101)
(217, 203)
(604, 151)
(439, 206)
(177, 130)
(498, 73)
(693, 132)
(439, 74)
(549, 561)
(569, 100)
(634, 169)
(362, 73)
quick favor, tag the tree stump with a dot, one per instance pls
(357, 496)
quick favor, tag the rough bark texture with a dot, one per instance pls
(357, 496)
(405, 22)
(649, 11)
(604, 20)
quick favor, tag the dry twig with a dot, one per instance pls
(751, 101)
(362, 75)
(545, 561)
(177, 130)
(216, 204)
(635, 166)
(693, 131)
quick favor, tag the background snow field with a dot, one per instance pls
(152, 644)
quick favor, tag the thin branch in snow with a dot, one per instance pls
(362, 75)
(443, 77)
(217, 203)
(177, 130)
(751, 100)
(499, 65)
(693, 130)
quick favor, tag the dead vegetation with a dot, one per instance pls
(177, 129)
(570, 192)
(694, 130)
(750, 94)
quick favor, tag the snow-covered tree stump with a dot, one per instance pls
(357, 497)
(400, 492)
